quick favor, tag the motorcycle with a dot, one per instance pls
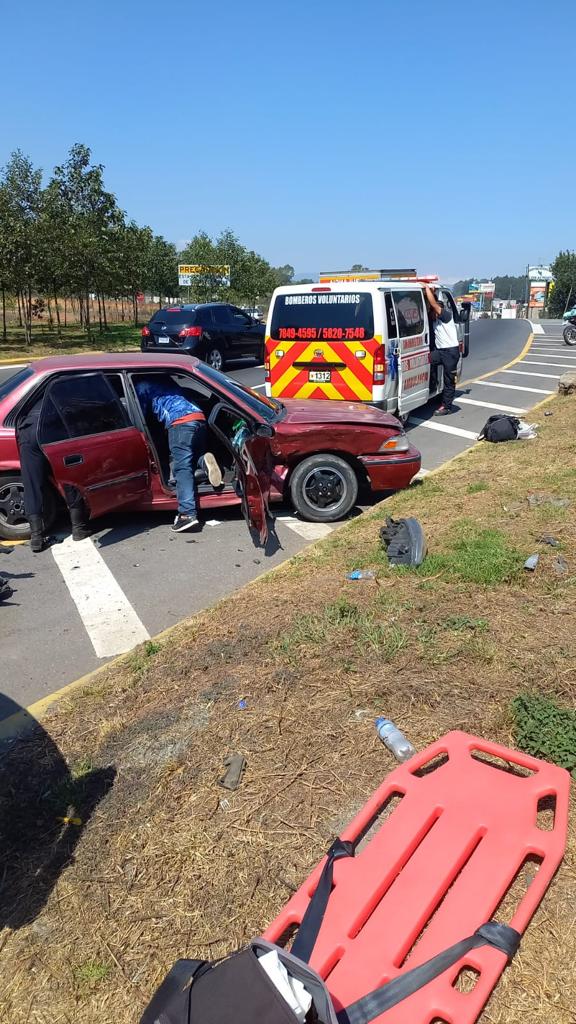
(569, 332)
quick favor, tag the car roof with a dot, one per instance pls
(113, 361)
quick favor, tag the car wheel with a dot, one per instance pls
(215, 357)
(323, 488)
(13, 522)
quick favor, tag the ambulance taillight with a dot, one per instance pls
(379, 372)
(266, 365)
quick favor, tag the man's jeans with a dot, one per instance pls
(187, 442)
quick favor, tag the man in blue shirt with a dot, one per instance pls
(187, 440)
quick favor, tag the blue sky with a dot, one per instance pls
(437, 135)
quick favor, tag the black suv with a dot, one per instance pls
(214, 331)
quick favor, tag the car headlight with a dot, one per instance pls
(396, 443)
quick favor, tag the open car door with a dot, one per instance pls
(413, 349)
(251, 453)
(85, 434)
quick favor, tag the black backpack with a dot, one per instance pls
(500, 428)
(236, 990)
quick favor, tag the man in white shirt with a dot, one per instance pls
(447, 350)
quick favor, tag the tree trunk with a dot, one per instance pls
(88, 325)
(19, 308)
(28, 315)
(135, 309)
(57, 305)
(122, 304)
(50, 317)
(99, 312)
(104, 316)
(4, 335)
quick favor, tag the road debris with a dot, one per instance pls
(560, 565)
(361, 574)
(235, 765)
(535, 500)
(547, 538)
(404, 541)
(531, 563)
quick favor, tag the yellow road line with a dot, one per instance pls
(491, 373)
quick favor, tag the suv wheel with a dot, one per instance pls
(13, 522)
(215, 357)
(323, 488)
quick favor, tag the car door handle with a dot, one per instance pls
(73, 460)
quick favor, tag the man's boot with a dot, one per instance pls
(80, 528)
(37, 539)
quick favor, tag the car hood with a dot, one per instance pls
(312, 410)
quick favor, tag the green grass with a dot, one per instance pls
(545, 730)
(476, 555)
(479, 486)
(342, 618)
(45, 341)
(91, 972)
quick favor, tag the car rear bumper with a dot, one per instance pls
(392, 472)
(171, 347)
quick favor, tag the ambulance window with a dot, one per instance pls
(409, 312)
(450, 305)
(390, 316)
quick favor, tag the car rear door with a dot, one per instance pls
(413, 349)
(86, 435)
(462, 327)
(247, 336)
(251, 453)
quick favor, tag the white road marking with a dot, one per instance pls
(444, 428)
(537, 328)
(511, 387)
(213, 522)
(542, 346)
(545, 362)
(490, 405)
(528, 373)
(108, 617)
(310, 531)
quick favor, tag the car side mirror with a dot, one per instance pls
(264, 430)
(465, 312)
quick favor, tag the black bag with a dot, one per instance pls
(500, 428)
(237, 990)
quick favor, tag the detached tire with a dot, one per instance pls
(13, 522)
(323, 488)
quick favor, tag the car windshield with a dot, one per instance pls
(174, 316)
(267, 408)
(12, 382)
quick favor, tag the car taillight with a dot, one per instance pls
(267, 368)
(145, 332)
(190, 332)
(379, 372)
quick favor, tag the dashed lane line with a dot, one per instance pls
(444, 428)
(107, 615)
(512, 387)
(490, 405)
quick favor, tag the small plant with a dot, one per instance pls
(81, 769)
(545, 730)
(151, 648)
(91, 972)
(458, 623)
(476, 488)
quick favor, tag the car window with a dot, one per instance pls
(266, 408)
(204, 317)
(80, 406)
(221, 315)
(390, 316)
(174, 316)
(239, 316)
(14, 380)
(409, 312)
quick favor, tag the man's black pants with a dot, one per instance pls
(449, 359)
(35, 470)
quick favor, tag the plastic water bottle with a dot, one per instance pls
(394, 739)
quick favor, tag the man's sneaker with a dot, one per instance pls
(445, 410)
(213, 469)
(182, 523)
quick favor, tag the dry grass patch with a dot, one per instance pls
(168, 864)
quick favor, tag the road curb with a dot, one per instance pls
(25, 719)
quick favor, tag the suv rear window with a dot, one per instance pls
(323, 316)
(174, 316)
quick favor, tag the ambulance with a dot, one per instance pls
(360, 337)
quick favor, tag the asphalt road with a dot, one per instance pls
(77, 604)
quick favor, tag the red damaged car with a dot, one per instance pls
(94, 434)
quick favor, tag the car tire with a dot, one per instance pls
(324, 488)
(215, 357)
(13, 523)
